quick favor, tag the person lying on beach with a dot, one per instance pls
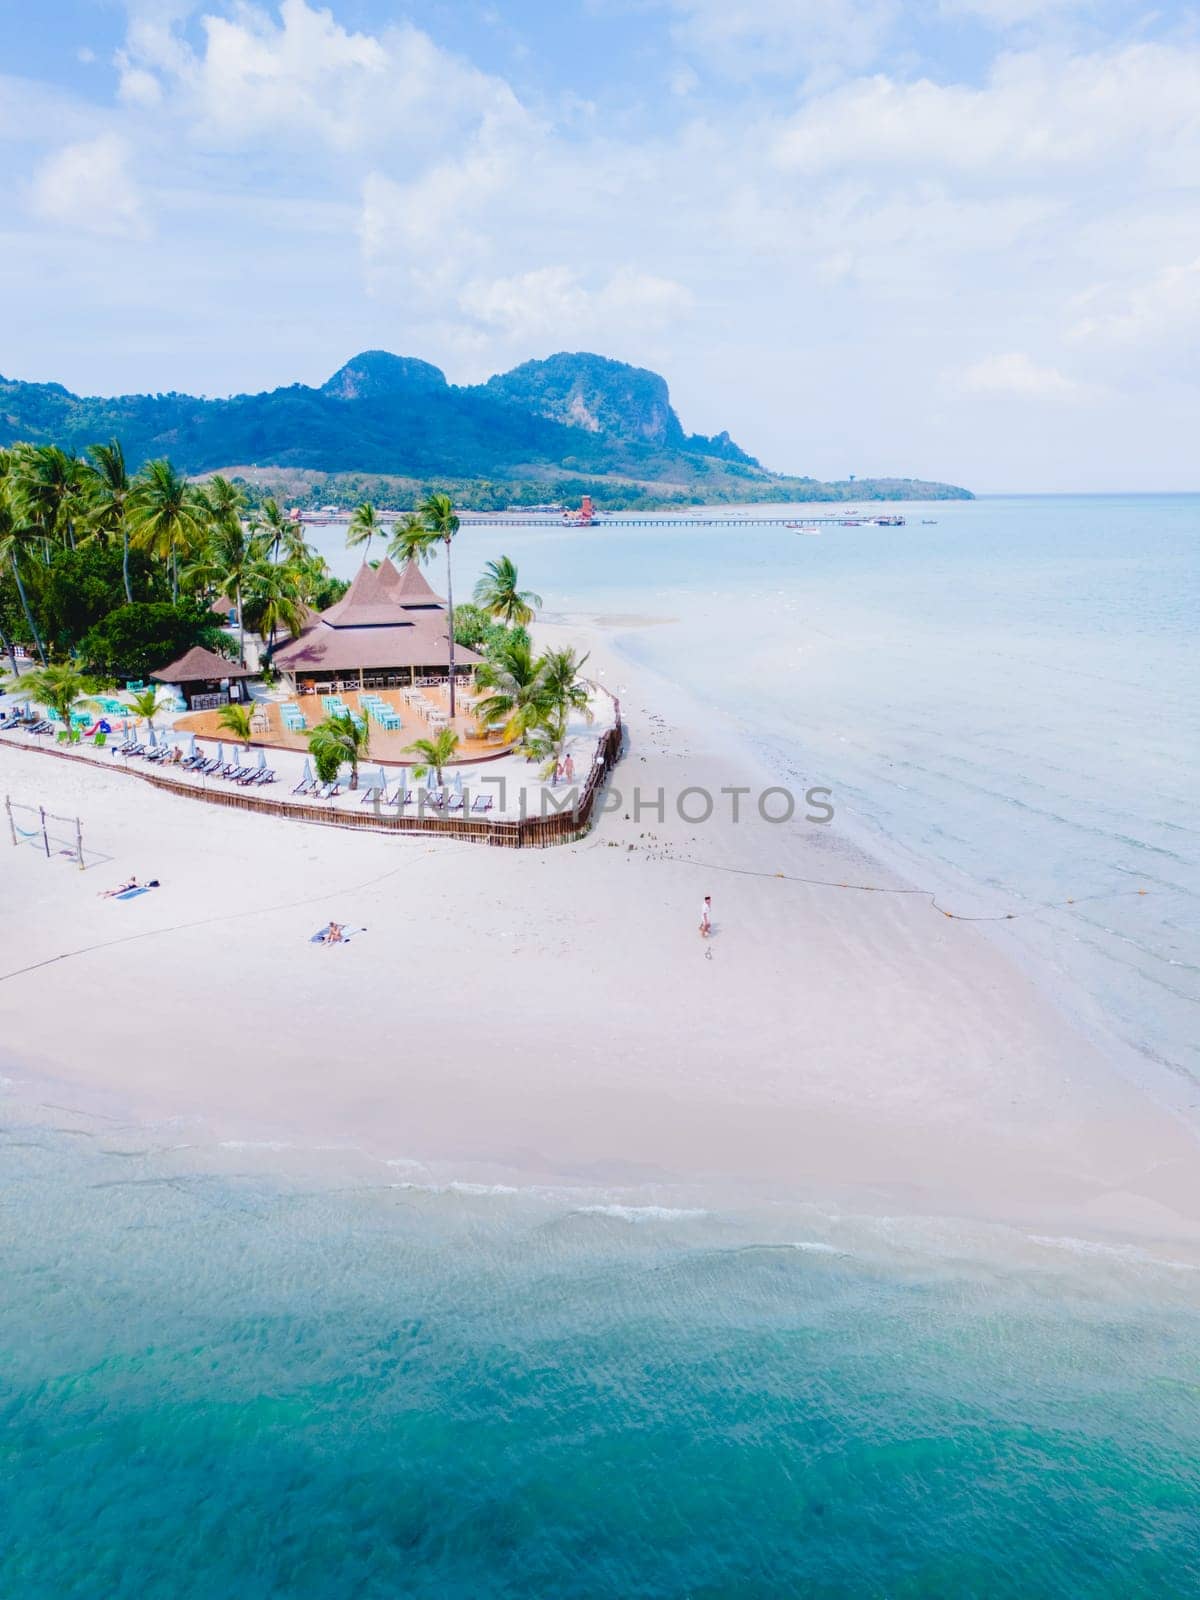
(133, 886)
(109, 894)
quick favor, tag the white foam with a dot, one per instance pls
(644, 1213)
(1117, 1252)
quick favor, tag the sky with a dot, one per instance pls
(955, 239)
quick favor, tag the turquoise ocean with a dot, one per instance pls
(243, 1372)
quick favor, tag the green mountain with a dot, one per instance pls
(578, 418)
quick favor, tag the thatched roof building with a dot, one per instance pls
(387, 624)
(201, 673)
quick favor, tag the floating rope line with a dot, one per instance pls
(924, 894)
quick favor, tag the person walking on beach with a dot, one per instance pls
(706, 916)
(569, 769)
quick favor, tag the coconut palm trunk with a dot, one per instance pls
(37, 638)
(125, 562)
(450, 615)
(9, 649)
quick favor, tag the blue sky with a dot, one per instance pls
(958, 238)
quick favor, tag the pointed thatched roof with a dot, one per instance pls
(385, 618)
(200, 666)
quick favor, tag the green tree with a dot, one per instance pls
(230, 554)
(364, 526)
(340, 739)
(61, 687)
(412, 540)
(237, 720)
(139, 639)
(147, 703)
(81, 587)
(107, 488)
(498, 594)
(168, 515)
(560, 692)
(437, 513)
(285, 534)
(436, 753)
(15, 539)
(48, 489)
(513, 681)
(272, 599)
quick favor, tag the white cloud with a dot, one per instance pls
(553, 303)
(1164, 310)
(1139, 107)
(743, 38)
(296, 77)
(1015, 374)
(136, 86)
(88, 186)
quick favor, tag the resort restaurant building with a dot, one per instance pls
(389, 630)
(204, 678)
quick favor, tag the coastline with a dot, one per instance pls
(551, 1018)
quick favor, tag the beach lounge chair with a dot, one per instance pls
(454, 802)
(264, 775)
(481, 803)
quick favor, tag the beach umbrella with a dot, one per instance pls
(402, 785)
(458, 782)
(220, 752)
(262, 760)
(192, 751)
(381, 781)
(308, 772)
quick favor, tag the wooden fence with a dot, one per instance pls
(517, 833)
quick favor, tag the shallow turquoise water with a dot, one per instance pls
(215, 1385)
(1005, 703)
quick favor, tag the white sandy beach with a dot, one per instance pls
(554, 1016)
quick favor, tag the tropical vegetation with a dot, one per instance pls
(120, 572)
(339, 739)
(436, 753)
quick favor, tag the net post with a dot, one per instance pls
(45, 835)
(79, 843)
(12, 827)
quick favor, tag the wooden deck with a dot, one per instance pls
(387, 748)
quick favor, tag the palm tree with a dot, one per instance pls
(59, 687)
(364, 525)
(15, 538)
(283, 532)
(437, 513)
(146, 705)
(339, 738)
(272, 598)
(168, 515)
(513, 675)
(106, 484)
(231, 553)
(48, 488)
(497, 593)
(560, 691)
(412, 540)
(435, 753)
(237, 720)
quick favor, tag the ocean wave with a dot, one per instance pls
(643, 1213)
(1116, 1252)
